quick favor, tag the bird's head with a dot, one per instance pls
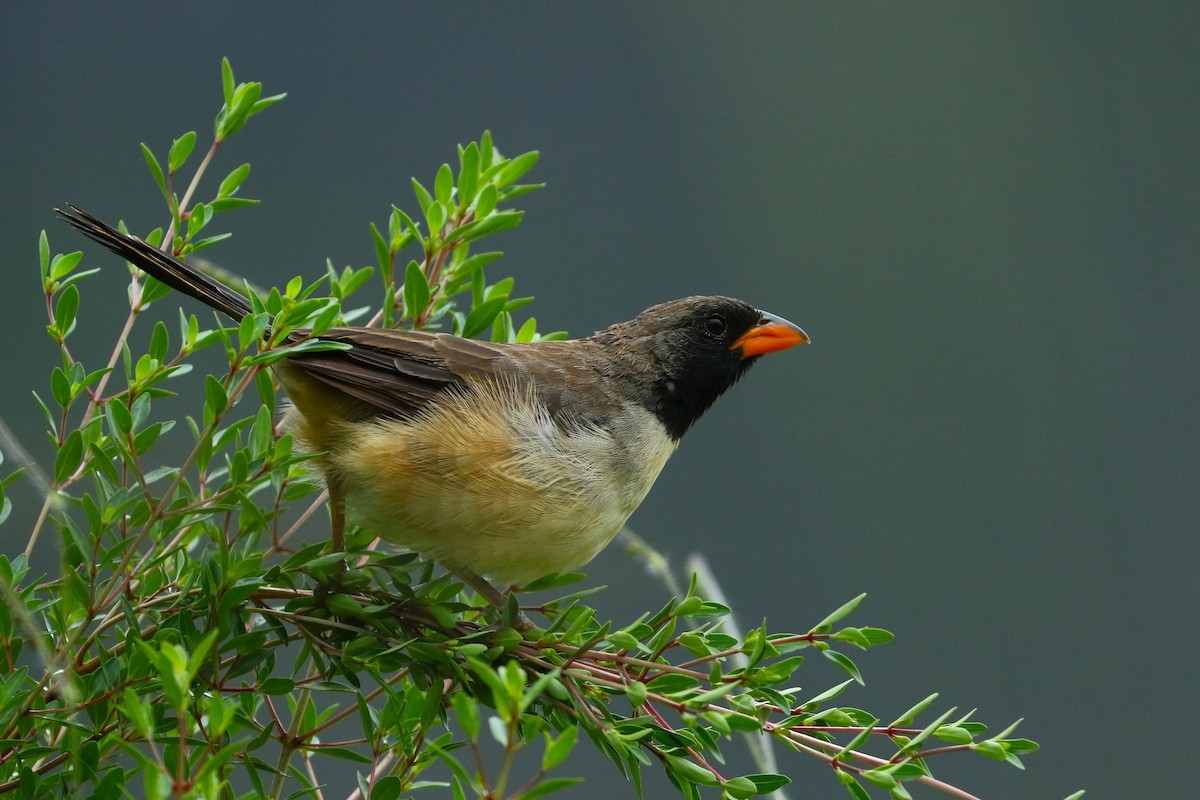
(685, 353)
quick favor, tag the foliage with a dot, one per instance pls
(192, 646)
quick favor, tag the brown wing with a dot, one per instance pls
(397, 372)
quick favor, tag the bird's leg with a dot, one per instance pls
(337, 518)
(495, 598)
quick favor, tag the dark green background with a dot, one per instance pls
(985, 215)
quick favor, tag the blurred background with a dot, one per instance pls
(985, 215)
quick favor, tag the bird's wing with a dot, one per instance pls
(396, 373)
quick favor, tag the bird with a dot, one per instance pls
(502, 462)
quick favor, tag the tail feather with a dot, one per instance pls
(168, 269)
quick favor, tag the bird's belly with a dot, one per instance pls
(509, 495)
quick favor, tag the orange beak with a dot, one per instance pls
(770, 334)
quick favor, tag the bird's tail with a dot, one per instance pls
(168, 269)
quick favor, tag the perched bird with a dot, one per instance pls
(508, 461)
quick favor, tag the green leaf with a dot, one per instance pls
(559, 748)
(424, 198)
(527, 331)
(500, 221)
(548, 785)
(913, 744)
(485, 202)
(381, 252)
(64, 312)
(829, 694)
(498, 730)
(481, 316)
(69, 456)
(227, 81)
(443, 184)
(44, 256)
(510, 193)
(159, 342)
(845, 663)
(215, 399)
(467, 712)
(954, 734)
(672, 683)
(386, 788)
(553, 581)
(233, 181)
(842, 612)
(691, 772)
(768, 782)
(62, 265)
(416, 290)
(740, 788)
(468, 174)
(277, 686)
(181, 148)
(435, 217)
(853, 786)
(516, 167)
(908, 716)
(993, 750)
(155, 170)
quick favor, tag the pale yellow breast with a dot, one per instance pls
(509, 494)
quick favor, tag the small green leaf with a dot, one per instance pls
(840, 613)
(845, 663)
(215, 399)
(155, 170)
(468, 173)
(481, 316)
(547, 786)
(181, 148)
(233, 181)
(277, 686)
(44, 255)
(991, 749)
(159, 342)
(740, 788)
(767, 782)
(485, 203)
(386, 788)
(516, 167)
(500, 221)
(227, 81)
(443, 184)
(852, 786)
(691, 772)
(60, 388)
(381, 252)
(559, 748)
(498, 730)
(64, 312)
(528, 331)
(954, 734)
(435, 217)
(62, 265)
(424, 198)
(69, 457)
(416, 290)
(467, 712)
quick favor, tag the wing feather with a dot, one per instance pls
(397, 373)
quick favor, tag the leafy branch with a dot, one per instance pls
(194, 642)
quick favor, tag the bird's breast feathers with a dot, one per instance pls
(489, 479)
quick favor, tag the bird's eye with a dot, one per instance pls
(715, 325)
